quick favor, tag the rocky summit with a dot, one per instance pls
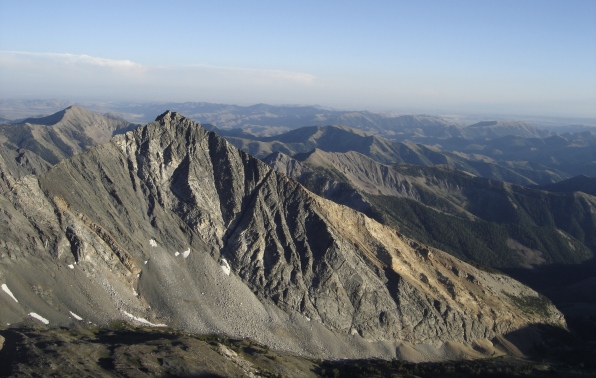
(170, 225)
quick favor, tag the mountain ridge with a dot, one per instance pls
(34, 145)
(359, 182)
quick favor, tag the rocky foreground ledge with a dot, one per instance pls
(127, 351)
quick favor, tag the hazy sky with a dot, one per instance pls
(522, 56)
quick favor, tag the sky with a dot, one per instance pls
(533, 57)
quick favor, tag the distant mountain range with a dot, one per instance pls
(512, 151)
(344, 139)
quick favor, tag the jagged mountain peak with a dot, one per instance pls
(168, 117)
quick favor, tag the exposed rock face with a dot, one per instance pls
(170, 224)
(327, 183)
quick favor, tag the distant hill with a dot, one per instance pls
(34, 145)
(498, 129)
(581, 183)
(566, 155)
(16, 109)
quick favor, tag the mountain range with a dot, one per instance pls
(333, 252)
(344, 139)
(169, 224)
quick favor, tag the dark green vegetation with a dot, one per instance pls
(581, 183)
(487, 239)
(126, 351)
(538, 305)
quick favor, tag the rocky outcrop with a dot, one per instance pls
(170, 224)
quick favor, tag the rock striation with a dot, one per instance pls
(170, 224)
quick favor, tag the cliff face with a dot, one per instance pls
(171, 225)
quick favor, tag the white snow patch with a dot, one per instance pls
(177, 254)
(134, 292)
(146, 261)
(75, 316)
(186, 253)
(7, 291)
(152, 242)
(226, 267)
(39, 317)
(141, 320)
(71, 266)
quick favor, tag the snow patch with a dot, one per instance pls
(141, 320)
(146, 261)
(7, 291)
(75, 316)
(226, 267)
(177, 254)
(39, 317)
(186, 253)
(71, 266)
(152, 242)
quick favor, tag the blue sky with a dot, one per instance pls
(520, 57)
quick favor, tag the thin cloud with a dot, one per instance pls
(78, 75)
(67, 58)
(17, 58)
